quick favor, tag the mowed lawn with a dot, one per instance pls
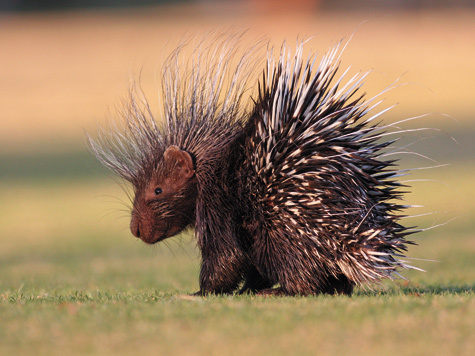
(74, 281)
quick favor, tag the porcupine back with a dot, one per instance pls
(322, 197)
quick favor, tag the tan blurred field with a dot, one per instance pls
(63, 72)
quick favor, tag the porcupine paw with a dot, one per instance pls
(270, 292)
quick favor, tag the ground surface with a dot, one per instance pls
(74, 281)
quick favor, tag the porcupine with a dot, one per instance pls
(289, 191)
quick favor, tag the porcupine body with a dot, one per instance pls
(291, 192)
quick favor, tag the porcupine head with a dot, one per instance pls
(165, 197)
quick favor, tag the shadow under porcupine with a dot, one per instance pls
(290, 190)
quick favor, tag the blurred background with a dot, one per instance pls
(66, 66)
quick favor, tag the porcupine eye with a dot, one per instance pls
(158, 191)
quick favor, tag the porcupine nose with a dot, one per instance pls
(134, 227)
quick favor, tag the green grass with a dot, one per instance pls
(73, 281)
(153, 322)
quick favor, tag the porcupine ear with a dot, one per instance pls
(180, 162)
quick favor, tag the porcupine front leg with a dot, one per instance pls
(221, 270)
(223, 263)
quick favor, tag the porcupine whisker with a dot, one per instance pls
(126, 189)
(116, 200)
(117, 213)
(167, 244)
